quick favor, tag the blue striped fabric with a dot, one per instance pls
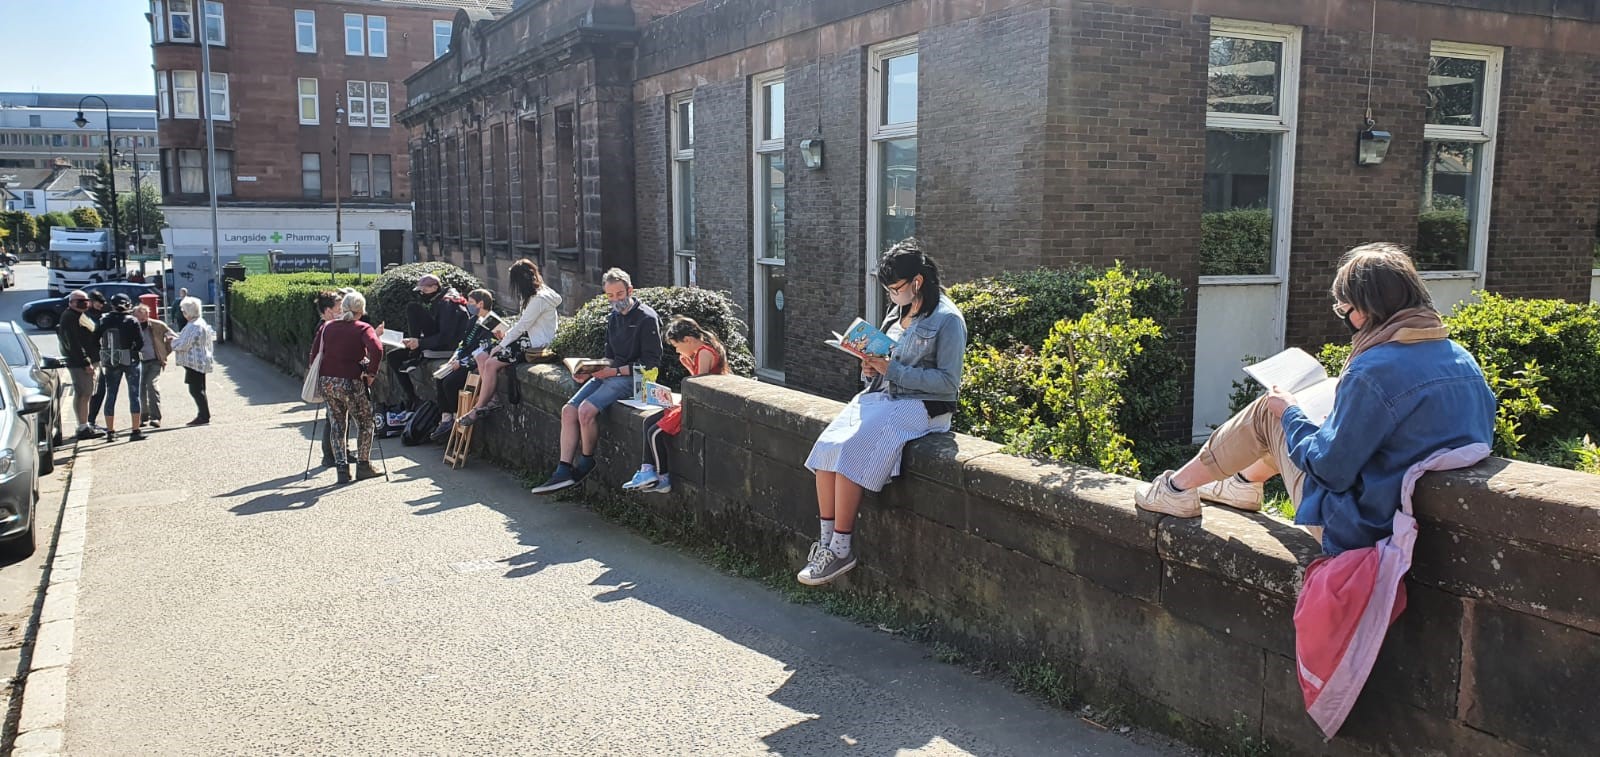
(864, 442)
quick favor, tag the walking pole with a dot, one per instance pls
(314, 423)
(377, 438)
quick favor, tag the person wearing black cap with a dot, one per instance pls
(120, 345)
(80, 348)
(435, 324)
(97, 310)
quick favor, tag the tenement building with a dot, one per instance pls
(773, 148)
(301, 96)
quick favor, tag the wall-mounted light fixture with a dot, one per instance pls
(811, 152)
(1372, 145)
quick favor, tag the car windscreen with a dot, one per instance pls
(12, 350)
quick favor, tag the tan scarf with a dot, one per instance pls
(1406, 327)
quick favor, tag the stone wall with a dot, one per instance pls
(1185, 624)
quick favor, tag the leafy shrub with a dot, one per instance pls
(999, 389)
(389, 294)
(86, 217)
(584, 334)
(280, 307)
(1441, 239)
(1562, 341)
(1018, 310)
(1516, 403)
(50, 220)
(1236, 242)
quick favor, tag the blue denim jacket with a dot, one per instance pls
(926, 362)
(1395, 405)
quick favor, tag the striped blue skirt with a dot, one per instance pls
(864, 442)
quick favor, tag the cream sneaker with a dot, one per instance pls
(1158, 497)
(1234, 493)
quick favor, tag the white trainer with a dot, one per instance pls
(1158, 497)
(1234, 493)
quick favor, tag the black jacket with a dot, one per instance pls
(127, 329)
(80, 342)
(438, 324)
(635, 338)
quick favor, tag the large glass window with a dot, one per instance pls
(360, 175)
(191, 172)
(441, 38)
(768, 205)
(305, 31)
(222, 173)
(354, 35)
(158, 22)
(215, 33)
(1250, 122)
(382, 176)
(181, 17)
(891, 156)
(219, 97)
(311, 175)
(308, 101)
(185, 94)
(377, 36)
(681, 139)
(1462, 105)
(163, 110)
(530, 148)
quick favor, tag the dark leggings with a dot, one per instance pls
(197, 389)
(660, 444)
(450, 388)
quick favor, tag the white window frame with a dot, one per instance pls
(177, 90)
(172, 14)
(374, 117)
(357, 23)
(448, 28)
(683, 257)
(355, 103)
(158, 22)
(377, 37)
(1484, 135)
(223, 113)
(305, 23)
(760, 148)
(1285, 125)
(301, 97)
(205, 23)
(163, 109)
(876, 134)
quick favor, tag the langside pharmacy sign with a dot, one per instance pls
(255, 238)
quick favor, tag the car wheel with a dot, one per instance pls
(55, 415)
(47, 463)
(21, 547)
(46, 320)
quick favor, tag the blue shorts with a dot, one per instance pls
(602, 392)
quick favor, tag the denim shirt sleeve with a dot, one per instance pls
(945, 377)
(1335, 453)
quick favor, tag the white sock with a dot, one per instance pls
(840, 544)
(827, 531)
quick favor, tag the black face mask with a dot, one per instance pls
(1348, 323)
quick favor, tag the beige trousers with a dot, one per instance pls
(1253, 435)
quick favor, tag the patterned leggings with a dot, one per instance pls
(348, 403)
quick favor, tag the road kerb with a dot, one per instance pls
(41, 729)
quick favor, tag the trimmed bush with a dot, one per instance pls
(1236, 242)
(1015, 313)
(584, 334)
(999, 389)
(1562, 340)
(389, 294)
(280, 307)
(1441, 240)
(86, 218)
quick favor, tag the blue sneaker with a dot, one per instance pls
(663, 484)
(644, 479)
(559, 480)
(582, 468)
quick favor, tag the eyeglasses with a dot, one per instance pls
(895, 288)
(1342, 310)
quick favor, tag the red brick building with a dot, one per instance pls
(302, 96)
(772, 148)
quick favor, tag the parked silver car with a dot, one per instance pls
(19, 467)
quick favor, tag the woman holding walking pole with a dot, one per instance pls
(351, 354)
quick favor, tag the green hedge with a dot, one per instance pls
(281, 307)
(1563, 338)
(1441, 240)
(1236, 242)
(1015, 312)
(584, 334)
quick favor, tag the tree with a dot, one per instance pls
(24, 230)
(102, 189)
(86, 218)
(50, 220)
(139, 213)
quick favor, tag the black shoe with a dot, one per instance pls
(582, 468)
(89, 433)
(111, 435)
(364, 471)
(327, 461)
(343, 471)
(136, 436)
(199, 422)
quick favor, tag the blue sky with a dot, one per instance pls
(90, 46)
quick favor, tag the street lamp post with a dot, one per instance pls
(111, 168)
(138, 209)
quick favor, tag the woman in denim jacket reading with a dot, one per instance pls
(1406, 392)
(909, 394)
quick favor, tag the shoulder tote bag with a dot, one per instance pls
(311, 390)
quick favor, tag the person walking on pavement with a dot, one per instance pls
(120, 347)
(80, 350)
(152, 359)
(192, 351)
(351, 354)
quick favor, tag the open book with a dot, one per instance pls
(862, 339)
(584, 365)
(1296, 371)
(491, 322)
(654, 396)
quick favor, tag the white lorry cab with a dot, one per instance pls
(80, 257)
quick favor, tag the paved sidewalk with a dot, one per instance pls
(227, 607)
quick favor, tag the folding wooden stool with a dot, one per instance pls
(460, 441)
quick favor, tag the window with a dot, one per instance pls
(158, 22)
(360, 176)
(308, 101)
(305, 31)
(1458, 157)
(891, 155)
(501, 182)
(474, 186)
(452, 194)
(441, 38)
(219, 97)
(181, 20)
(311, 175)
(353, 35)
(681, 141)
(214, 32)
(191, 172)
(566, 180)
(185, 94)
(768, 205)
(377, 36)
(355, 96)
(162, 110)
(222, 173)
(378, 103)
(1251, 80)
(383, 176)
(530, 150)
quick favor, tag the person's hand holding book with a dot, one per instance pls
(874, 365)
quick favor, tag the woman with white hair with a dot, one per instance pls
(351, 354)
(192, 351)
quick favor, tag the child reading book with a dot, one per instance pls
(700, 352)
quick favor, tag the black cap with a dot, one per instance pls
(98, 296)
(121, 301)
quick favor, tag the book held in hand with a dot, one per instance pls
(862, 339)
(581, 366)
(1297, 372)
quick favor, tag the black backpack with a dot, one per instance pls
(423, 421)
(113, 353)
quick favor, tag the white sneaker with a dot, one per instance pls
(1158, 497)
(1234, 493)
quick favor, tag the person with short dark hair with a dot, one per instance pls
(80, 350)
(535, 329)
(120, 346)
(435, 324)
(152, 360)
(1406, 392)
(909, 394)
(97, 311)
(485, 333)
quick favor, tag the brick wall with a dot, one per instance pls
(722, 188)
(652, 187)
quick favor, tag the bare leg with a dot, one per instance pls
(1251, 442)
(1194, 473)
(825, 490)
(488, 374)
(569, 433)
(588, 426)
(846, 502)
